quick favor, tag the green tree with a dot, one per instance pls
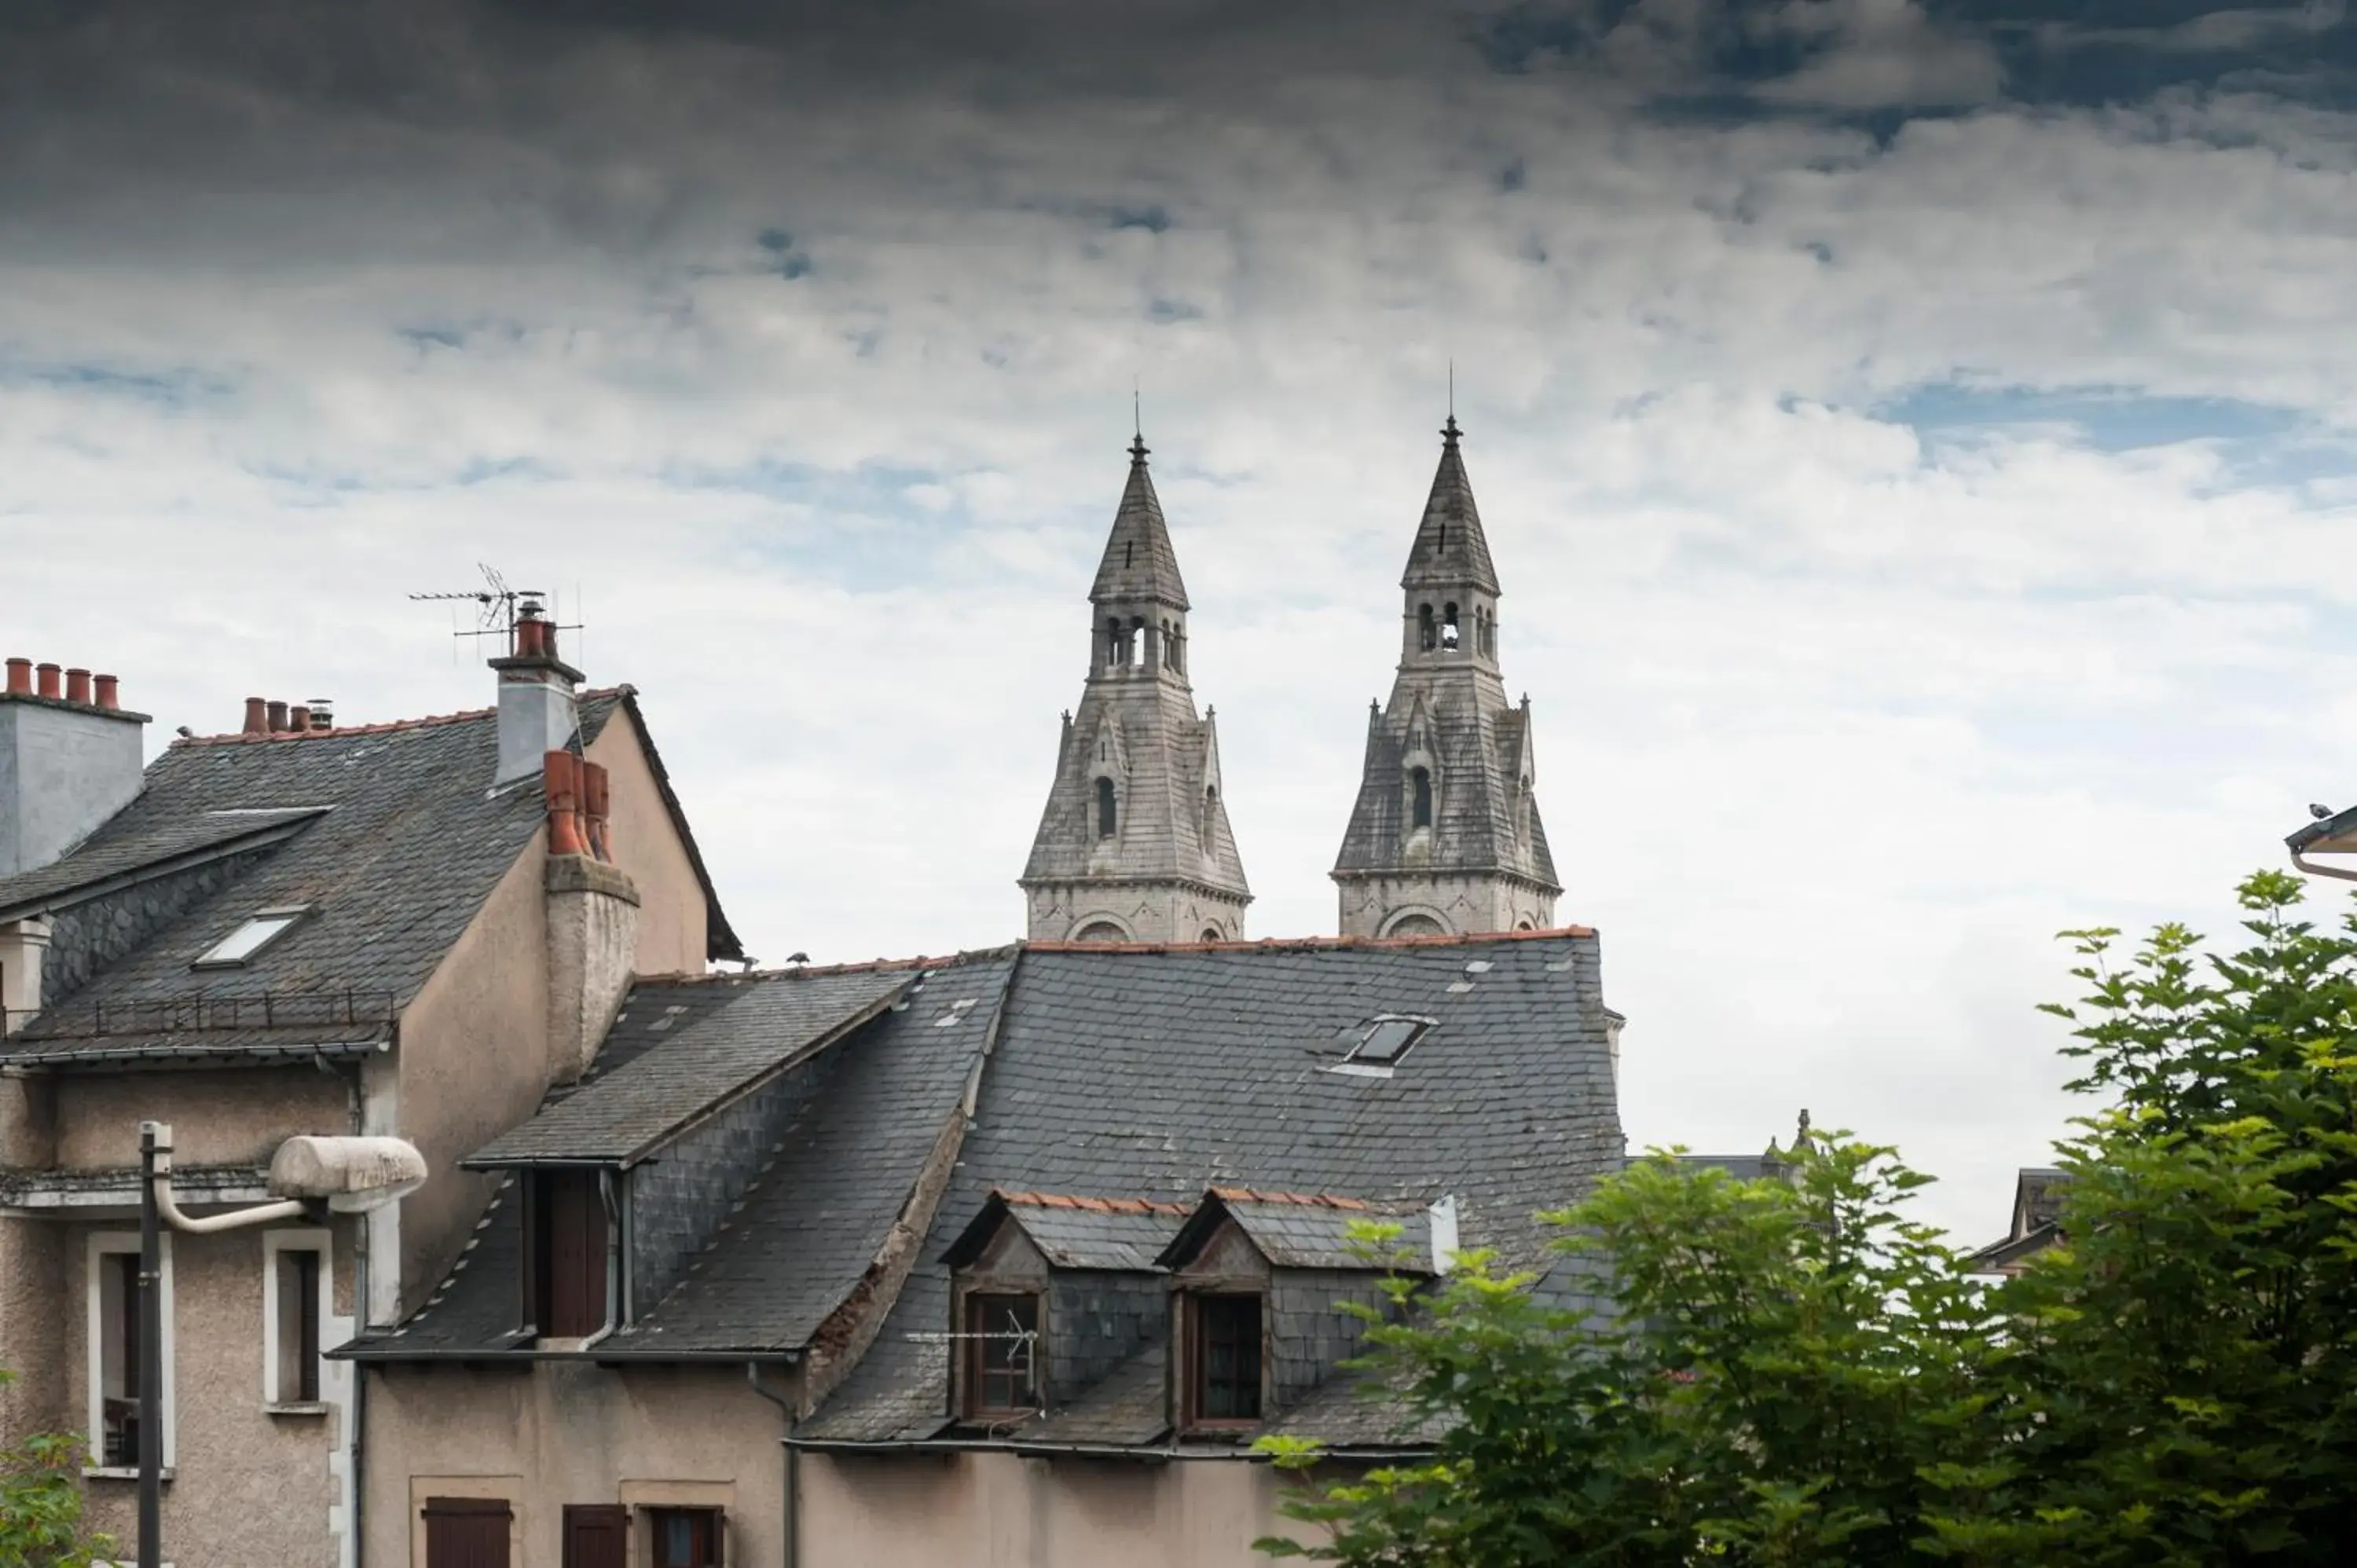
(1796, 1373)
(40, 1505)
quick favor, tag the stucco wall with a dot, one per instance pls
(645, 844)
(1002, 1510)
(473, 1063)
(224, 1116)
(248, 1487)
(564, 1433)
(32, 1310)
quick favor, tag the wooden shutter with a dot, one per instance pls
(597, 1535)
(568, 1220)
(466, 1532)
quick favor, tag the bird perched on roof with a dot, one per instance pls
(2318, 812)
(798, 958)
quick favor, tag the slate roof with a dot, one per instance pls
(851, 1138)
(1141, 1074)
(719, 1040)
(1139, 563)
(1156, 1073)
(1450, 548)
(1076, 1233)
(387, 831)
(1475, 742)
(1313, 1231)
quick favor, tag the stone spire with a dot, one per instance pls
(1446, 835)
(1134, 843)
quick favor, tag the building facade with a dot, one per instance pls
(1444, 837)
(299, 927)
(1134, 843)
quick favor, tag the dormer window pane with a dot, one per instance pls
(1388, 1040)
(242, 944)
(1002, 1333)
(1227, 1358)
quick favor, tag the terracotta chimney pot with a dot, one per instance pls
(109, 691)
(277, 719)
(561, 783)
(594, 803)
(257, 716)
(20, 677)
(48, 674)
(77, 686)
(298, 719)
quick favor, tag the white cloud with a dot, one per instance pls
(1836, 724)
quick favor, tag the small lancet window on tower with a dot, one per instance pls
(1420, 781)
(1106, 819)
(1448, 626)
(1426, 637)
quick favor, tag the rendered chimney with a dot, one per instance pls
(67, 764)
(257, 716)
(539, 711)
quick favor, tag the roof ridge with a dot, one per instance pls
(1300, 1199)
(1296, 944)
(821, 971)
(1094, 1205)
(426, 721)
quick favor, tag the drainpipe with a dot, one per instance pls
(612, 1205)
(790, 1526)
(356, 1549)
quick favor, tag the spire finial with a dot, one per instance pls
(1137, 447)
(1452, 388)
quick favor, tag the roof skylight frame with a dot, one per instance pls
(252, 937)
(1387, 1039)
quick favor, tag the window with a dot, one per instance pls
(1107, 819)
(117, 1371)
(1426, 637)
(565, 1283)
(1420, 807)
(1101, 931)
(684, 1537)
(1449, 626)
(294, 1281)
(241, 945)
(1227, 1358)
(1212, 934)
(1387, 1039)
(1002, 1332)
(597, 1535)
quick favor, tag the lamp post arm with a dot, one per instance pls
(261, 1214)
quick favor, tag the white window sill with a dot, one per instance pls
(118, 1472)
(301, 1407)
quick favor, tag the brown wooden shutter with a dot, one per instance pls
(466, 1532)
(577, 1255)
(597, 1535)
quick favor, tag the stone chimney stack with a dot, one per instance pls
(70, 758)
(539, 711)
(592, 914)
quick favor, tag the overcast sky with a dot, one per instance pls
(1915, 438)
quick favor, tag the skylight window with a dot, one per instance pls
(1387, 1039)
(245, 944)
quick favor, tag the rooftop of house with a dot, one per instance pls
(1094, 1094)
(386, 838)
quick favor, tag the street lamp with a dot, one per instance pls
(350, 1175)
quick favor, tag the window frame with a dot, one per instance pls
(286, 917)
(277, 1245)
(1108, 808)
(1417, 1029)
(973, 1375)
(539, 1274)
(716, 1554)
(1196, 1305)
(102, 1245)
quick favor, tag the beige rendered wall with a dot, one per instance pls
(473, 1063)
(645, 844)
(248, 1487)
(228, 1116)
(1002, 1510)
(557, 1432)
(32, 1317)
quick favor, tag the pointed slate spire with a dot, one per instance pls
(1449, 547)
(1139, 564)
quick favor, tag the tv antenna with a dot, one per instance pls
(497, 606)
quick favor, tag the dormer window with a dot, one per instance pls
(1108, 816)
(1420, 803)
(1388, 1040)
(242, 945)
(1001, 1339)
(1226, 1354)
(565, 1267)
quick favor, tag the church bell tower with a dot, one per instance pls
(1134, 845)
(1445, 838)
